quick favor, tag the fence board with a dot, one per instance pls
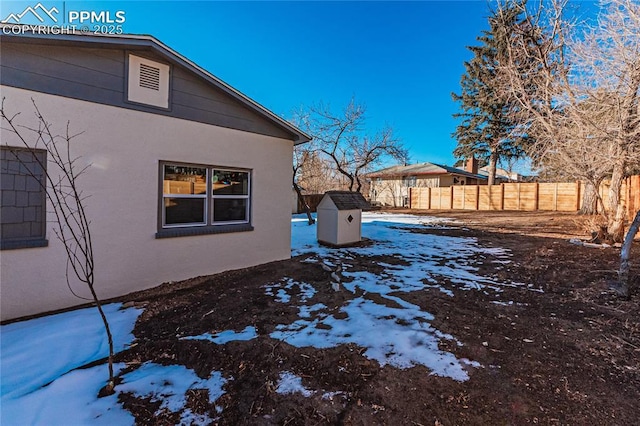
(470, 197)
(420, 199)
(312, 201)
(633, 199)
(510, 196)
(440, 198)
(484, 197)
(458, 197)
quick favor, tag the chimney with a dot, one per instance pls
(471, 166)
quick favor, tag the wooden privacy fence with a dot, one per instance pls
(312, 200)
(555, 196)
(632, 196)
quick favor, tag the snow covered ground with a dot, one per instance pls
(394, 332)
(43, 382)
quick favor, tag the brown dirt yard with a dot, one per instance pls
(561, 349)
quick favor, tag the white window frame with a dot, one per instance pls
(213, 197)
(184, 196)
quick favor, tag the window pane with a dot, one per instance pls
(184, 210)
(230, 209)
(184, 180)
(228, 182)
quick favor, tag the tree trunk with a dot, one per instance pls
(625, 253)
(358, 183)
(307, 209)
(493, 164)
(615, 225)
(589, 200)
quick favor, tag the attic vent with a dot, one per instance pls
(148, 82)
(149, 77)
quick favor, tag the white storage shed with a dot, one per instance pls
(340, 218)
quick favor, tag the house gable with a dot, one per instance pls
(96, 69)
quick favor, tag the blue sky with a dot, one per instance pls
(401, 59)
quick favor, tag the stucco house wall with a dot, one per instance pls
(122, 183)
(125, 147)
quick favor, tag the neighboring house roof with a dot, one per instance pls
(500, 173)
(130, 41)
(422, 169)
(348, 200)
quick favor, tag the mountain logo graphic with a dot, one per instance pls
(38, 11)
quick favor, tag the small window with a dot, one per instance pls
(23, 207)
(148, 82)
(409, 181)
(189, 202)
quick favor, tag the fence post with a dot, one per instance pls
(429, 198)
(518, 191)
(451, 197)
(477, 197)
(578, 195)
(630, 197)
(537, 197)
(635, 192)
(502, 196)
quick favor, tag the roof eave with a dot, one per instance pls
(124, 40)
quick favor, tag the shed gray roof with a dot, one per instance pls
(348, 200)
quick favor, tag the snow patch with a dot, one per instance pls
(38, 351)
(289, 383)
(226, 336)
(169, 385)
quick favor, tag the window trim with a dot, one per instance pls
(210, 226)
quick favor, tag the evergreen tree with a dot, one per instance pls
(486, 130)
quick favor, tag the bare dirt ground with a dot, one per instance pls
(568, 356)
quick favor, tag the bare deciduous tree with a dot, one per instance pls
(577, 89)
(315, 173)
(62, 189)
(300, 160)
(343, 139)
